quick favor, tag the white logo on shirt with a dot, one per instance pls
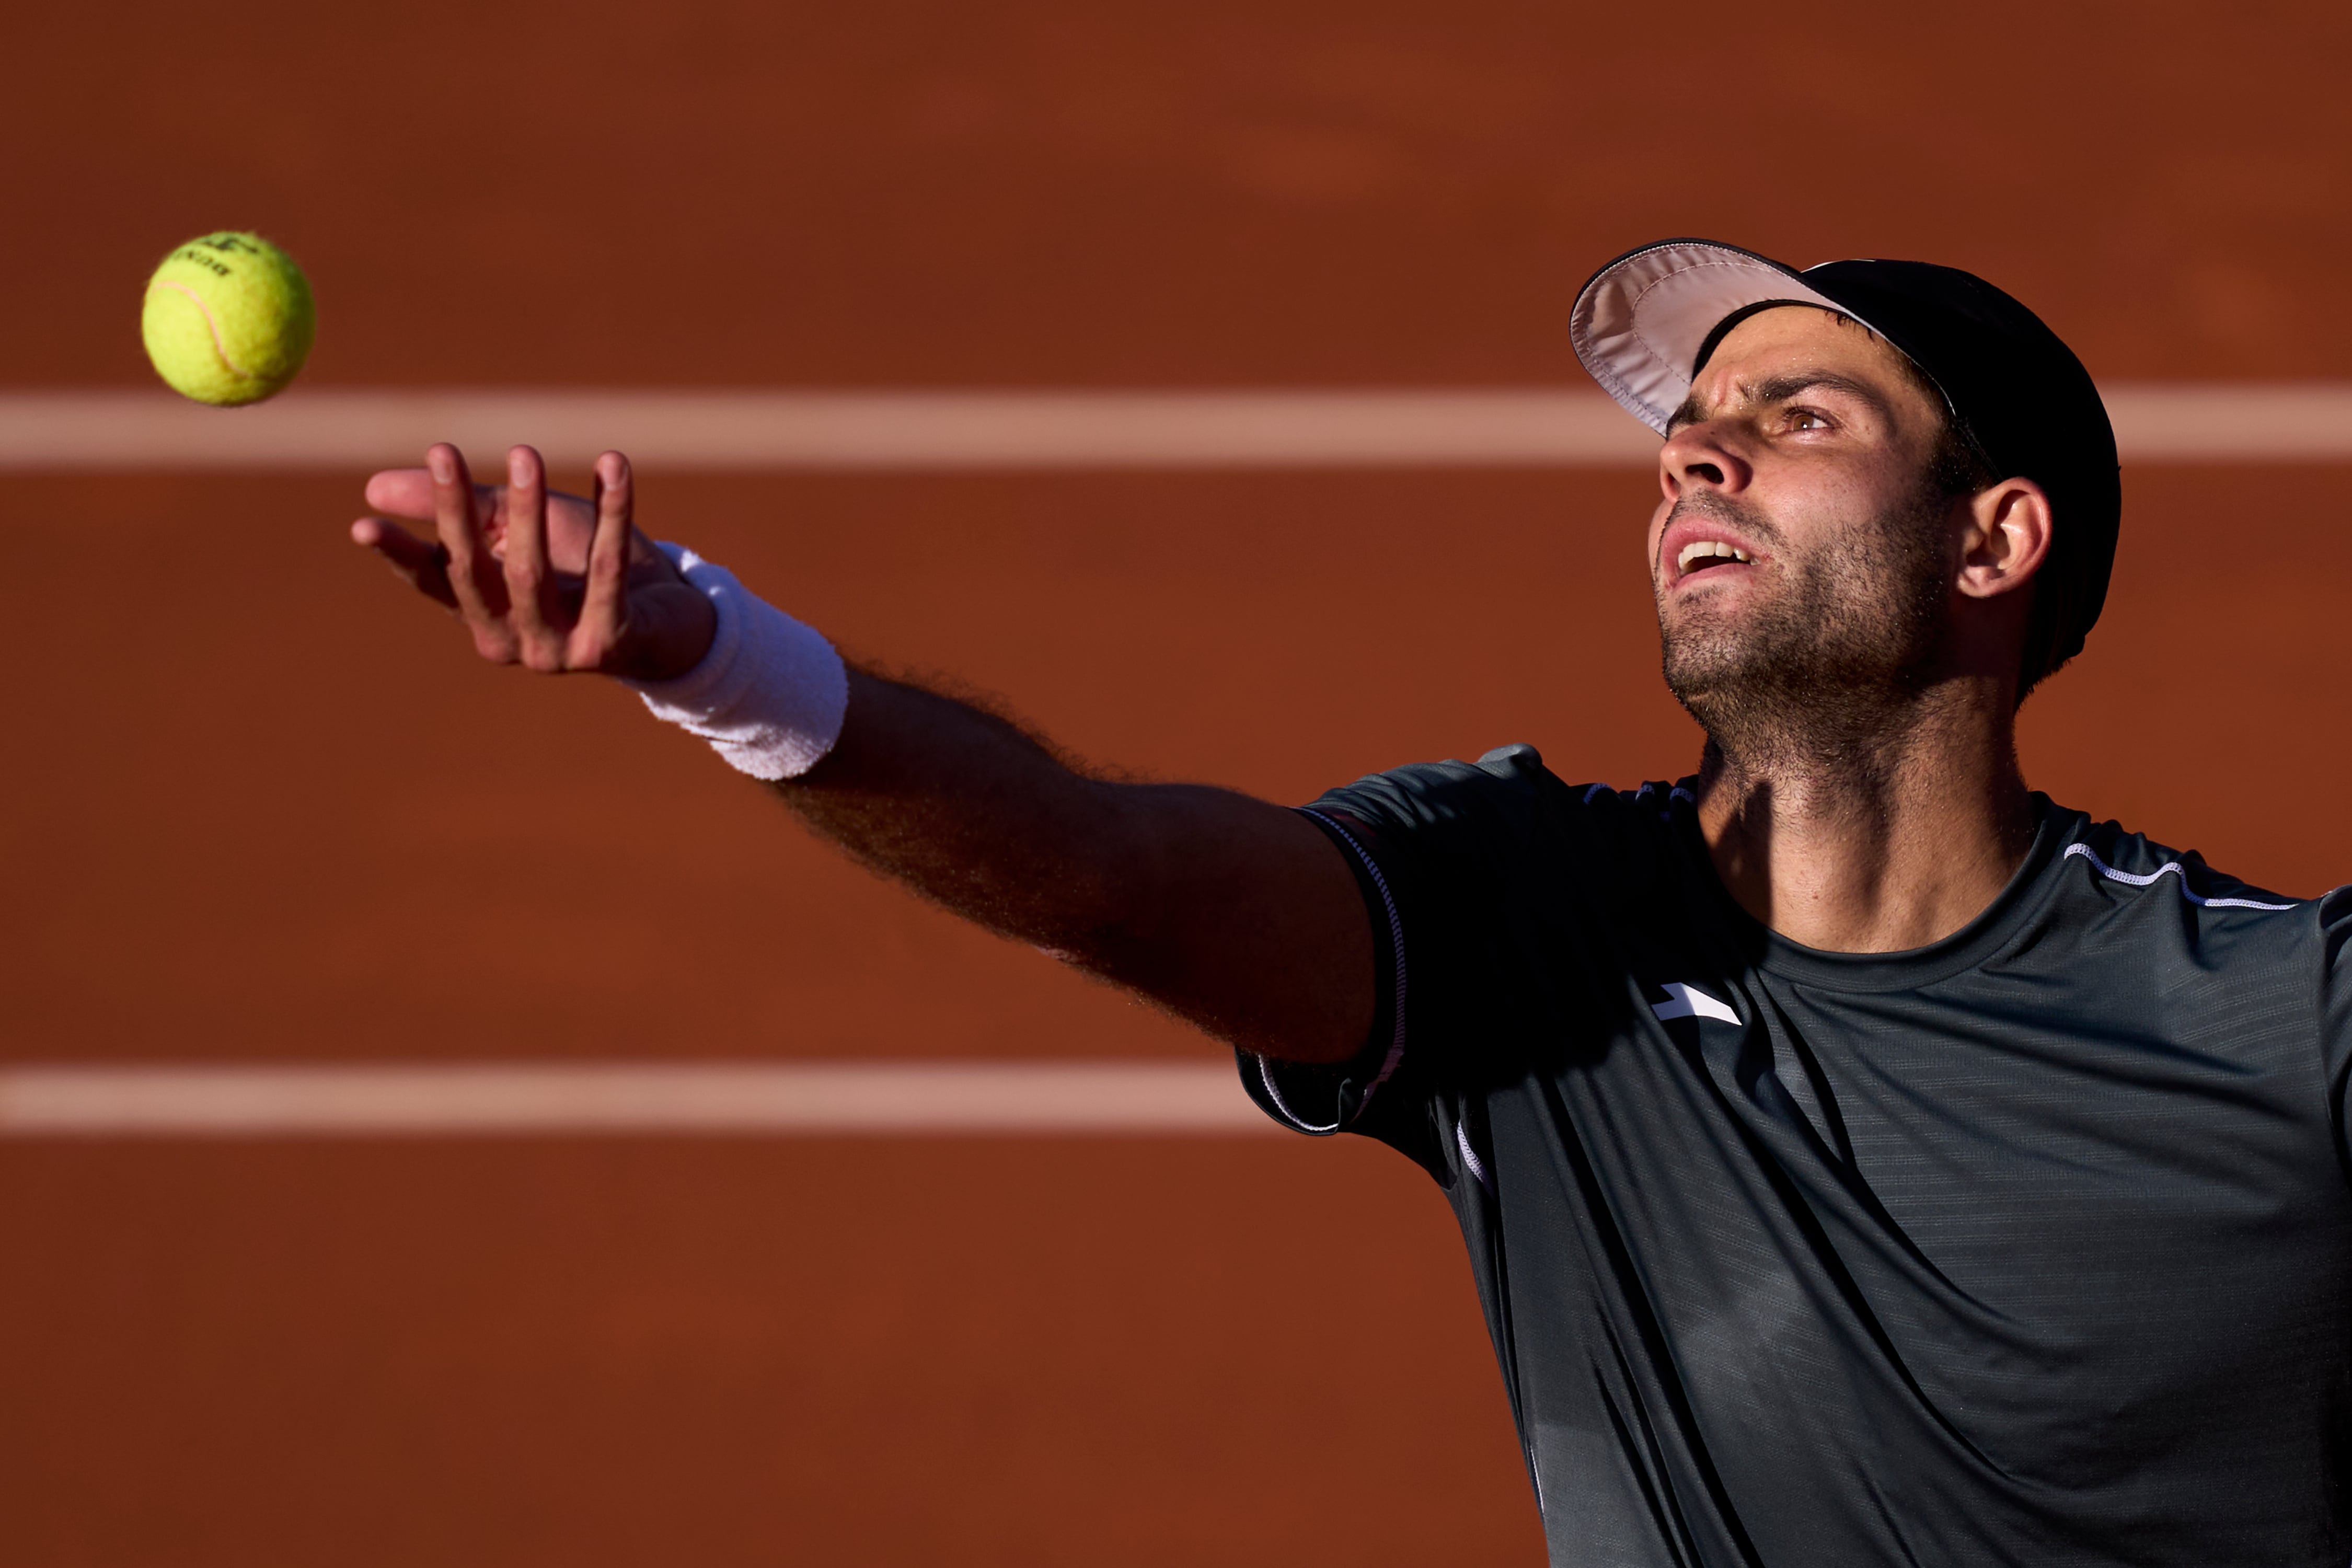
(1689, 1002)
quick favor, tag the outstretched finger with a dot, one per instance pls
(425, 567)
(606, 607)
(475, 580)
(527, 589)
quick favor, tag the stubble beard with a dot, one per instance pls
(1830, 671)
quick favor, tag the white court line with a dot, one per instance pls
(335, 428)
(346, 428)
(603, 1099)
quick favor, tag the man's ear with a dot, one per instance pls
(2005, 538)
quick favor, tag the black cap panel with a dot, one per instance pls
(2023, 399)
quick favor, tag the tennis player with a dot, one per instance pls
(1864, 1158)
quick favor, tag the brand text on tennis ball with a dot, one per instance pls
(229, 318)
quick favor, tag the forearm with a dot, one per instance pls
(972, 811)
(1231, 912)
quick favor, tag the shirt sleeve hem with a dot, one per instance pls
(1322, 1099)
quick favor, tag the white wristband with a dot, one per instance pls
(771, 693)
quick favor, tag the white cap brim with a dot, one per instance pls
(1638, 326)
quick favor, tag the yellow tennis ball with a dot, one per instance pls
(229, 318)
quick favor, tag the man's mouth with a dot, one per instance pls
(1704, 555)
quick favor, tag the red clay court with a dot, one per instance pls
(247, 772)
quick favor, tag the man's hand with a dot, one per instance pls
(556, 582)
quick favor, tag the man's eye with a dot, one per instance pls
(1806, 419)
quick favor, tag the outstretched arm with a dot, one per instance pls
(1235, 913)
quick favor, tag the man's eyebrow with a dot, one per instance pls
(1781, 388)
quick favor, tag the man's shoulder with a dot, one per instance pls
(1507, 793)
(2119, 862)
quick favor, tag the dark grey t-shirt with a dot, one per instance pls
(2028, 1246)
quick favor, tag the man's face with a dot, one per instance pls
(1802, 565)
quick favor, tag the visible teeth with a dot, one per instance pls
(1707, 549)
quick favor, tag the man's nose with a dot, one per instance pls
(1699, 454)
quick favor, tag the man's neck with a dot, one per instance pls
(1877, 846)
